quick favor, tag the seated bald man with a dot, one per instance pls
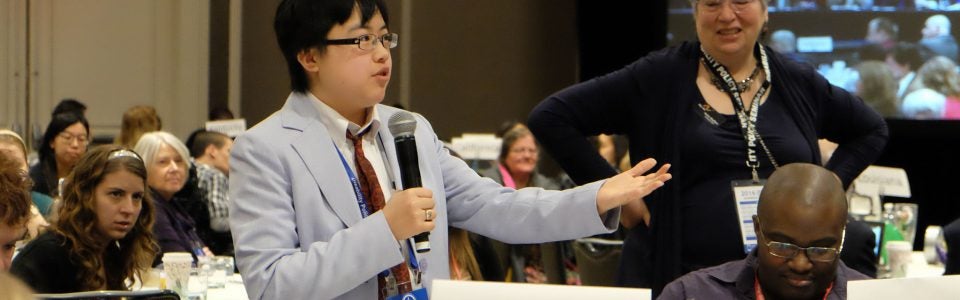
(800, 223)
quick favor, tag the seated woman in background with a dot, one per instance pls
(517, 162)
(136, 121)
(166, 159)
(102, 239)
(12, 147)
(14, 209)
(517, 168)
(63, 143)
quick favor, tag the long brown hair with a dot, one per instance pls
(112, 264)
(461, 253)
(878, 89)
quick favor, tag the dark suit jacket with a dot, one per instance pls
(858, 247)
(952, 234)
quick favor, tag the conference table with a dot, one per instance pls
(918, 267)
(232, 290)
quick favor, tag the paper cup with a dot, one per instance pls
(899, 255)
(177, 267)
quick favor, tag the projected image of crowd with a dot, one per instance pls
(899, 56)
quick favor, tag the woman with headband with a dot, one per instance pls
(103, 238)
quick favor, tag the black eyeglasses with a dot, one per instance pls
(788, 250)
(366, 42)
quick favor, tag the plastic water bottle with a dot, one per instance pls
(891, 232)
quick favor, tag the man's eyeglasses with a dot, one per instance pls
(788, 250)
(366, 41)
(716, 5)
(69, 138)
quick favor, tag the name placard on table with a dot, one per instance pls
(484, 290)
(927, 288)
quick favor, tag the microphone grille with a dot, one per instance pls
(402, 124)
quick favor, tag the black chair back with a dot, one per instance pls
(109, 295)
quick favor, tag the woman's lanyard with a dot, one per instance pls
(747, 118)
(365, 211)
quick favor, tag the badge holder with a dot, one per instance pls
(418, 294)
(390, 291)
(746, 195)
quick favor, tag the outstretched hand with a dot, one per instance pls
(631, 185)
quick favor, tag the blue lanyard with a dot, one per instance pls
(413, 257)
(361, 201)
(365, 211)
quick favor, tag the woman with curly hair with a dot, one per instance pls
(14, 208)
(103, 237)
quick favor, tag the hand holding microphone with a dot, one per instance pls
(402, 126)
(410, 212)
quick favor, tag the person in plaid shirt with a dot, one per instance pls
(211, 153)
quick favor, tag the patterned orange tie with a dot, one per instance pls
(370, 187)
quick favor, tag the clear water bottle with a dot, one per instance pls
(891, 232)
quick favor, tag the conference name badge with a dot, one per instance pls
(746, 194)
(417, 294)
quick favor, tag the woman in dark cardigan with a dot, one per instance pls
(167, 169)
(675, 109)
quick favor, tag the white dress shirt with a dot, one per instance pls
(337, 126)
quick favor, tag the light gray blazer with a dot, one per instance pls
(298, 229)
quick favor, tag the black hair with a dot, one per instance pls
(304, 24)
(199, 141)
(220, 113)
(69, 105)
(907, 54)
(46, 182)
(58, 124)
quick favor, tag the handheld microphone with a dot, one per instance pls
(402, 125)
